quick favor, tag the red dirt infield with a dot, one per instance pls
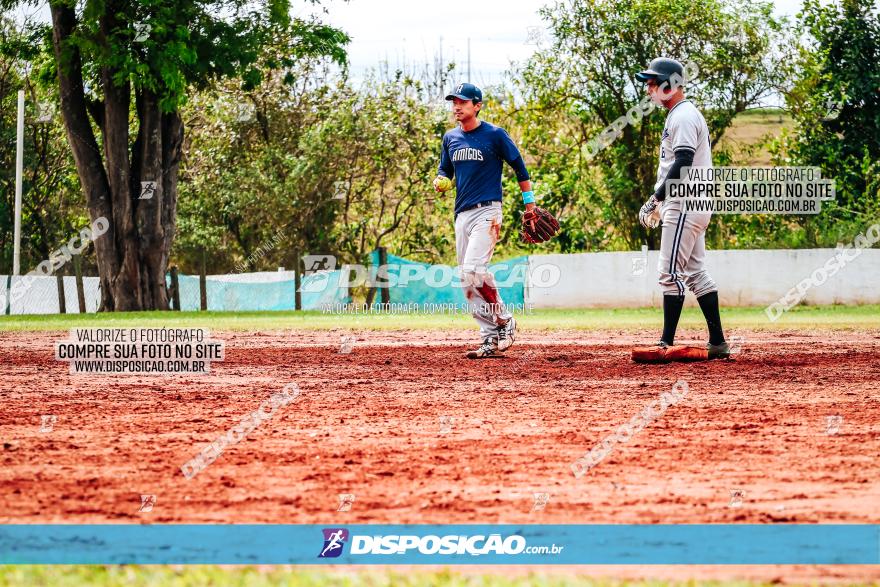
(418, 434)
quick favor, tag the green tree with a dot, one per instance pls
(124, 70)
(52, 207)
(247, 176)
(835, 102)
(386, 158)
(339, 168)
(584, 80)
(550, 140)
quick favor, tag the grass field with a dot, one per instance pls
(746, 136)
(130, 576)
(802, 317)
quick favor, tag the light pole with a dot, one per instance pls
(19, 170)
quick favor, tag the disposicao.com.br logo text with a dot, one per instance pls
(452, 544)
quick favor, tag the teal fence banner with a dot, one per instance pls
(317, 290)
(452, 544)
(422, 284)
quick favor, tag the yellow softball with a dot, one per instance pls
(443, 184)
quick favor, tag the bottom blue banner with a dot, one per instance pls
(454, 544)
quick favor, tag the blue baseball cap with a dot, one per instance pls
(466, 92)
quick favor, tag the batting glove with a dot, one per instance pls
(648, 216)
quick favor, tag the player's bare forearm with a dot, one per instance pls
(526, 186)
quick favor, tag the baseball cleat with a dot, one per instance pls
(718, 351)
(489, 348)
(506, 334)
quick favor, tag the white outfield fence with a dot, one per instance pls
(232, 292)
(744, 278)
(584, 280)
(38, 294)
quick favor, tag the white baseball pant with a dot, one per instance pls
(476, 232)
(683, 253)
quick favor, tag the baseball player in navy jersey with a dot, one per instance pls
(474, 154)
(685, 143)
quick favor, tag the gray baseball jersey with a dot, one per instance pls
(685, 128)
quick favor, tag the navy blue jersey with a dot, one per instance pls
(475, 158)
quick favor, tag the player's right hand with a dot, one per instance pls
(442, 184)
(649, 215)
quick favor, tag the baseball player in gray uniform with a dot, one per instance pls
(685, 143)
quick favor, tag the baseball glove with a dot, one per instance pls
(649, 214)
(538, 226)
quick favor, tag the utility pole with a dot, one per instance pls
(469, 61)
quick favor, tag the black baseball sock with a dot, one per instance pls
(709, 306)
(672, 306)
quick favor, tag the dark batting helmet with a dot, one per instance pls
(661, 69)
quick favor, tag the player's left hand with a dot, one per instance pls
(649, 215)
(538, 225)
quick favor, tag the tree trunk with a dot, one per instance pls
(133, 255)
